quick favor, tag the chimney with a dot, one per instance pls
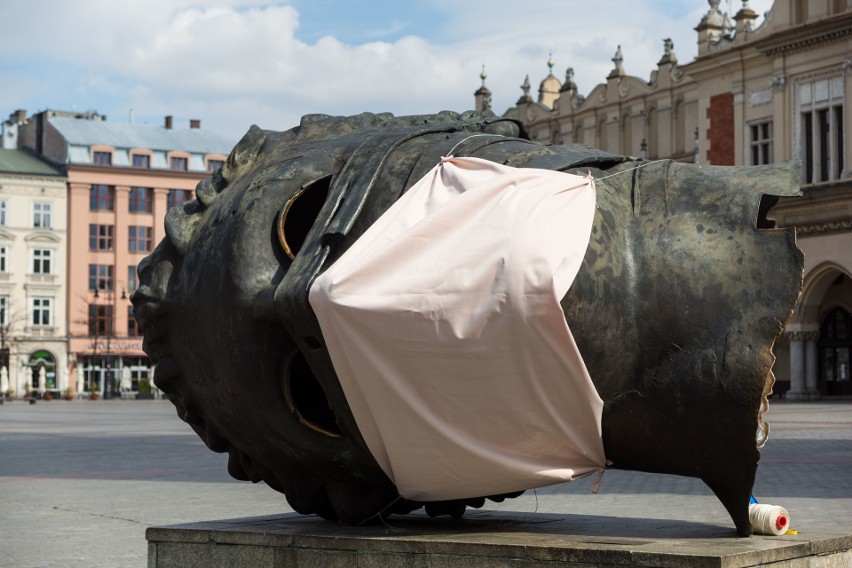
(169, 122)
(20, 116)
(194, 123)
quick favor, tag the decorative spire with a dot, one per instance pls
(550, 63)
(483, 94)
(668, 53)
(618, 60)
(525, 87)
(713, 28)
(569, 84)
(745, 18)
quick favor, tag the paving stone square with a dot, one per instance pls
(81, 481)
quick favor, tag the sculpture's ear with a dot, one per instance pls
(298, 214)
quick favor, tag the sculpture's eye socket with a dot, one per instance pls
(306, 399)
(299, 213)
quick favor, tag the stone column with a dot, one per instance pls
(810, 340)
(797, 367)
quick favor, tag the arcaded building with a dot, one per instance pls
(753, 95)
(121, 180)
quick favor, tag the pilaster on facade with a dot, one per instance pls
(803, 363)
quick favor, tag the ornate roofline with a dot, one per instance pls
(800, 38)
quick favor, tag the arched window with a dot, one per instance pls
(602, 141)
(43, 366)
(679, 128)
(627, 135)
(835, 347)
(652, 134)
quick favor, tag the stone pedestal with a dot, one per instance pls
(483, 540)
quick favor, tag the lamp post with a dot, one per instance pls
(110, 319)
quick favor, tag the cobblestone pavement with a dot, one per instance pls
(80, 481)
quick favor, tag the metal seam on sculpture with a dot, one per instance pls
(463, 140)
(631, 169)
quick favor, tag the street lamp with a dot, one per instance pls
(110, 319)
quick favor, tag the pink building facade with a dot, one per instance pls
(122, 179)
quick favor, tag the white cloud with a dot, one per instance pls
(236, 63)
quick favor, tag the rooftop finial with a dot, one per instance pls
(618, 70)
(525, 87)
(668, 53)
(550, 62)
(569, 83)
(483, 75)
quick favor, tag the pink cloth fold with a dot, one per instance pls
(444, 326)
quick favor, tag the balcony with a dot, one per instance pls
(40, 331)
(5, 276)
(42, 278)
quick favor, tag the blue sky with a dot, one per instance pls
(233, 63)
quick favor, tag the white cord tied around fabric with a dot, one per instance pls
(768, 519)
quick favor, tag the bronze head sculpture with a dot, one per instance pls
(682, 292)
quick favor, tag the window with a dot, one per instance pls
(2, 212)
(139, 367)
(100, 237)
(140, 200)
(133, 328)
(213, 165)
(140, 239)
(41, 215)
(102, 158)
(4, 311)
(820, 136)
(761, 143)
(100, 319)
(100, 277)
(101, 198)
(179, 197)
(131, 279)
(835, 346)
(41, 261)
(40, 311)
(3, 258)
(177, 164)
(141, 161)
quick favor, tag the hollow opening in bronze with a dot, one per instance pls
(305, 398)
(299, 213)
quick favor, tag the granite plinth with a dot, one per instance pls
(485, 539)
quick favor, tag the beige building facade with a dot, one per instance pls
(753, 95)
(33, 287)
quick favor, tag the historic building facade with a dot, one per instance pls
(121, 180)
(753, 95)
(33, 353)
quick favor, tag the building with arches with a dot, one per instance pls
(753, 95)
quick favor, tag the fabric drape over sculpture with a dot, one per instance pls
(444, 326)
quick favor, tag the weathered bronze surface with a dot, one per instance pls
(682, 293)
